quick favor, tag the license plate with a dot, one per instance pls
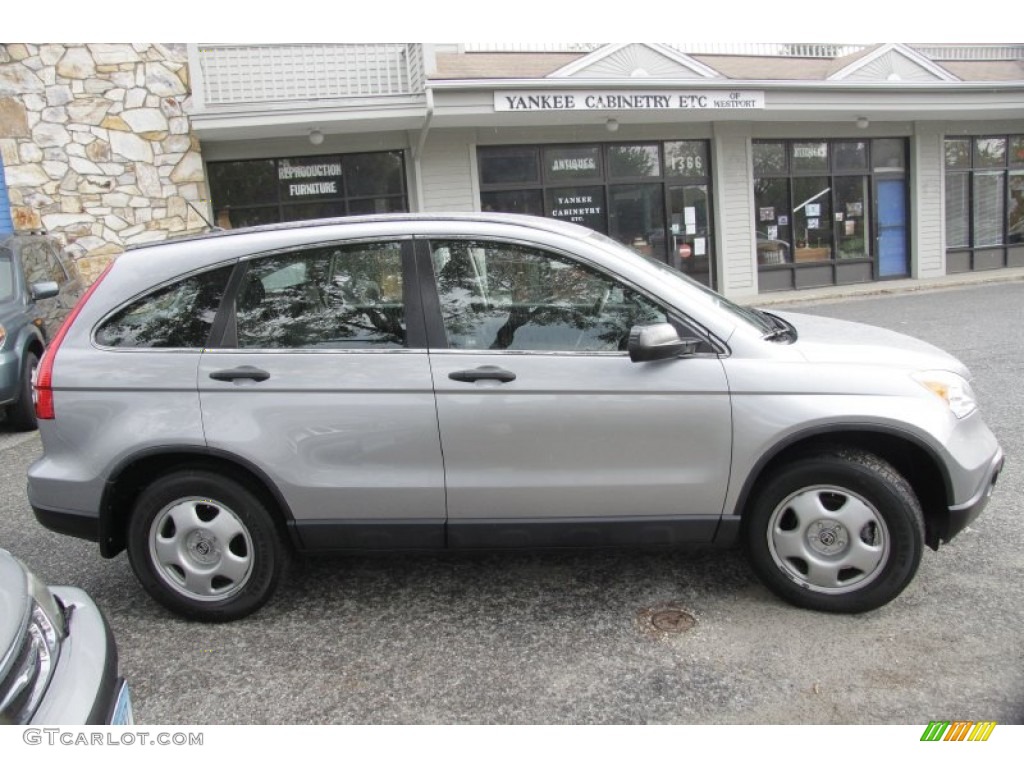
(123, 707)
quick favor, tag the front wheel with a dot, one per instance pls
(840, 532)
(205, 546)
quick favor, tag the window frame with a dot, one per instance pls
(437, 336)
(974, 255)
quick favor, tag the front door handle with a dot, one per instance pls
(484, 372)
(242, 372)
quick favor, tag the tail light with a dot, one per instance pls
(44, 374)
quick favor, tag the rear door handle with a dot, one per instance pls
(484, 372)
(242, 372)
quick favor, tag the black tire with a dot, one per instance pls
(22, 414)
(840, 532)
(205, 546)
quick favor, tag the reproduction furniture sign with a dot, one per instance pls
(567, 101)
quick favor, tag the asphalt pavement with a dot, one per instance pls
(597, 637)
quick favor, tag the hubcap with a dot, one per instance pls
(828, 539)
(201, 549)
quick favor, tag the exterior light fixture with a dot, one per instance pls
(316, 137)
(612, 125)
(863, 122)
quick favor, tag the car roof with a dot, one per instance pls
(534, 222)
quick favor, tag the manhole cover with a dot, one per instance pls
(666, 619)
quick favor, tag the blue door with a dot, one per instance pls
(5, 206)
(892, 227)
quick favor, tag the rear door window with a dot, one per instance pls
(341, 297)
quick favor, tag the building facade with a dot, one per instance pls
(753, 168)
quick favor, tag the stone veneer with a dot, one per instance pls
(97, 146)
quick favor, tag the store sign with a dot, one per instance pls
(606, 101)
(311, 178)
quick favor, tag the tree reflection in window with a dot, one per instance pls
(497, 296)
(343, 297)
(179, 316)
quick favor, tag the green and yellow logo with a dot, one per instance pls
(958, 730)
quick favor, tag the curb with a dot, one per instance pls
(876, 290)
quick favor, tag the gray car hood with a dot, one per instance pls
(826, 340)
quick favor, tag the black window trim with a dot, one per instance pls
(437, 337)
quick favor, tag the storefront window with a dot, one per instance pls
(562, 164)
(984, 202)
(1015, 212)
(810, 156)
(772, 222)
(850, 156)
(686, 159)
(830, 212)
(652, 196)
(770, 158)
(527, 201)
(813, 215)
(990, 152)
(958, 214)
(988, 208)
(637, 217)
(852, 217)
(510, 165)
(249, 192)
(633, 161)
(580, 205)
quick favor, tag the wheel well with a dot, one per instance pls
(913, 462)
(131, 480)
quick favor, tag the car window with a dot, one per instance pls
(344, 297)
(41, 264)
(6, 275)
(502, 296)
(177, 316)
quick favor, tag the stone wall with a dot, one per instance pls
(97, 146)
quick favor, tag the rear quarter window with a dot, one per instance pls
(178, 316)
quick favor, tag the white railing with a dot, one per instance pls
(947, 52)
(241, 74)
(980, 52)
(798, 50)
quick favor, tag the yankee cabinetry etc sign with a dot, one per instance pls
(564, 101)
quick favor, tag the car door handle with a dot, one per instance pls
(242, 372)
(482, 373)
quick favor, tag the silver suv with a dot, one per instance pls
(215, 404)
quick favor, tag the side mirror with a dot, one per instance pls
(658, 342)
(45, 290)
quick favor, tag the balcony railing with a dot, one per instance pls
(236, 75)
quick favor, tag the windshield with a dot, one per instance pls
(6, 275)
(748, 316)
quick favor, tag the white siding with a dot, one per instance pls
(927, 203)
(448, 172)
(734, 222)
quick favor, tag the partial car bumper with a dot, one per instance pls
(960, 516)
(10, 377)
(85, 687)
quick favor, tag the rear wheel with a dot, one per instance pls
(22, 415)
(840, 532)
(205, 546)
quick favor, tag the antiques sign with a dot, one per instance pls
(569, 101)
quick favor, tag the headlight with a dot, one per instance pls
(952, 389)
(34, 661)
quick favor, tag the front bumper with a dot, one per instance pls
(958, 517)
(10, 377)
(85, 686)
